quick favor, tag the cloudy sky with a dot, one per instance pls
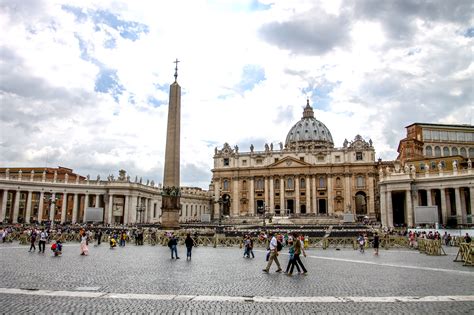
(84, 84)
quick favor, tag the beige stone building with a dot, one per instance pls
(306, 177)
(434, 168)
(60, 195)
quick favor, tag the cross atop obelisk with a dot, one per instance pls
(171, 183)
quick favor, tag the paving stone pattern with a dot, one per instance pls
(223, 272)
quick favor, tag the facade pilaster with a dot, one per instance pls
(86, 205)
(308, 194)
(74, 208)
(444, 209)
(16, 206)
(132, 210)
(235, 197)
(97, 201)
(429, 200)
(272, 196)
(110, 209)
(29, 201)
(409, 208)
(126, 207)
(389, 209)
(371, 196)
(252, 197)
(64, 208)
(330, 195)
(471, 198)
(314, 209)
(383, 205)
(459, 213)
(267, 202)
(282, 196)
(347, 193)
(217, 195)
(52, 207)
(297, 194)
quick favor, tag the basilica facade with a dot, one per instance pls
(306, 177)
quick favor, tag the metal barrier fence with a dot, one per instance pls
(466, 253)
(431, 247)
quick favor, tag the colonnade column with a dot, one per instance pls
(459, 212)
(110, 209)
(29, 200)
(282, 196)
(3, 210)
(330, 197)
(132, 217)
(315, 198)
(126, 209)
(444, 210)
(409, 208)
(145, 215)
(252, 197)
(16, 207)
(297, 194)
(235, 197)
(40, 207)
(74, 208)
(97, 200)
(471, 198)
(389, 209)
(383, 205)
(52, 207)
(429, 200)
(64, 208)
(272, 196)
(86, 205)
(308, 194)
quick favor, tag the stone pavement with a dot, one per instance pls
(144, 279)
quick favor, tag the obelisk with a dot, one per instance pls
(170, 204)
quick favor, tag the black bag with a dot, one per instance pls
(279, 246)
(268, 256)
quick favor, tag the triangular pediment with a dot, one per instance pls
(288, 161)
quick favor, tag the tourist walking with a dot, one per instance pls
(33, 240)
(361, 242)
(173, 245)
(123, 237)
(42, 241)
(274, 246)
(299, 249)
(291, 255)
(98, 236)
(84, 243)
(189, 242)
(376, 244)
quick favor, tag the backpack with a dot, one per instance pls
(53, 247)
(279, 246)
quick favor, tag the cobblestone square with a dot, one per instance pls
(219, 280)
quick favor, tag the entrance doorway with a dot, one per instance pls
(322, 206)
(361, 203)
(290, 206)
(398, 207)
(226, 205)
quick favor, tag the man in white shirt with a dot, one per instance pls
(273, 254)
(42, 241)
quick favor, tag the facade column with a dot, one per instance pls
(389, 209)
(272, 196)
(29, 201)
(308, 194)
(471, 198)
(86, 205)
(235, 197)
(110, 209)
(330, 196)
(297, 194)
(3, 210)
(64, 208)
(16, 206)
(383, 205)
(429, 200)
(371, 197)
(459, 215)
(132, 211)
(40, 207)
(145, 214)
(97, 201)
(74, 208)
(217, 195)
(52, 207)
(282, 196)
(315, 197)
(444, 209)
(409, 208)
(252, 197)
(347, 193)
(266, 194)
(126, 209)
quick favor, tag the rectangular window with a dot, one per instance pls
(443, 135)
(276, 160)
(226, 162)
(302, 158)
(338, 159)
(154, 210)
(244, 162)
(320, 158)
(259, 161)
(452, 136)
(358, 156)
(435, 134)
(426, 134)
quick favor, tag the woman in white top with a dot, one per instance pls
(84, 241)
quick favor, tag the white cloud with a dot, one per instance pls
(386, 68)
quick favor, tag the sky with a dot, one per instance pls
(84, 84)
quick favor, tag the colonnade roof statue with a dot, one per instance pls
(309, 132)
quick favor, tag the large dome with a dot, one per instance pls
(308, 132)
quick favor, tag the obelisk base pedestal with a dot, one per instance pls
(170, 207)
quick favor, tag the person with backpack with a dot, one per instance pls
(173, 244)
(57, 248)
(189, 242)
(273, 247)
(42, 241)
(33, 240)
(299, 249)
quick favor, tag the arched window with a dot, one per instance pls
(322, 182)
(226, 185)
(276, 182)
(290, 183)
(455, 151)
(445, 151)
(338, 182)
(360, 181)
(437, 151)
(244, 185)
(302, 183)
(463, 152)
(429, 151)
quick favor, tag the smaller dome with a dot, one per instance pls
(309, 132)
